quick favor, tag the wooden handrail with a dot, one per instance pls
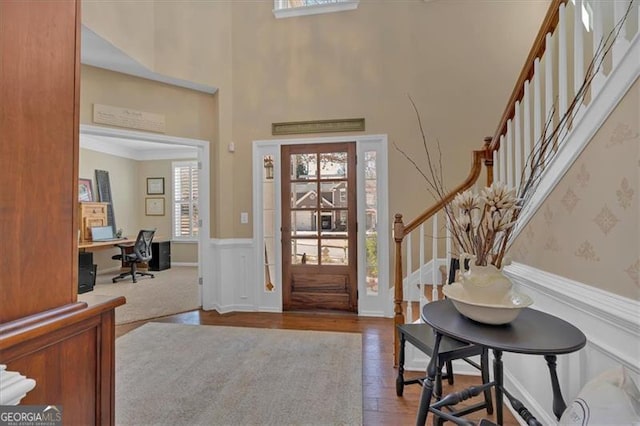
(548, 26)
(400, 231)
(476, 168)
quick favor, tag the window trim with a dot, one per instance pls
(280, 10)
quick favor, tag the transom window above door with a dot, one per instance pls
(291, 8)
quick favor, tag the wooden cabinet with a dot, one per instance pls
(91, 214)
(67, 346)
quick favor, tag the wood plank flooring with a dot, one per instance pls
(381, 406)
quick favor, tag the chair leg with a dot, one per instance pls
(449, 365)
(134, 269)
(484, 367)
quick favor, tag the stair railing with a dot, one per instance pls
(406, 286)
(577, 48)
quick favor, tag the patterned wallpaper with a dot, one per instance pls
(588, 229)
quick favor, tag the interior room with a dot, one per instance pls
(320, 212)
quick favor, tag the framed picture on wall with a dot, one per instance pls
(155, 186)
(85, 190)
(154, 206)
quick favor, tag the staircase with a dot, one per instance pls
(584, 59)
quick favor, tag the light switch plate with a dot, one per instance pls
(244, 217)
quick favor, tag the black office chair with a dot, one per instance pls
(141, 254)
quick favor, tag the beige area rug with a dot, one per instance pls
(172, 291)
(179, 374)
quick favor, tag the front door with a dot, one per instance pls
(319, 227)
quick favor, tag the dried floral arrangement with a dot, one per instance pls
(481, 224)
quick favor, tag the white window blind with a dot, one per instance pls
(185, 199)
(291, 8)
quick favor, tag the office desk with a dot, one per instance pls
(532, 332)
(98, 245)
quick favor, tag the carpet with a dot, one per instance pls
(178, 374)
(172, 291)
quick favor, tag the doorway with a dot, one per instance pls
(319, 227)
(125, 143)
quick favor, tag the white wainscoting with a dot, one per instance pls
(230, 268)
(611, 324)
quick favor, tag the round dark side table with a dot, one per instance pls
(532, 332)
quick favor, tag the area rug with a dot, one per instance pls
(172, 291)
(178, 374)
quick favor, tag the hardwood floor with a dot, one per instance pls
(381, 406)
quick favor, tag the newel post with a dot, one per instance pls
(488, 159)
(398, 236)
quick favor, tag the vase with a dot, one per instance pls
(485, 284)
(484, 294)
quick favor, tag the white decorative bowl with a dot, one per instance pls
(501, 312)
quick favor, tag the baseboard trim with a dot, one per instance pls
(184, 264)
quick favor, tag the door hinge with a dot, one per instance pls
(199, 223)
(199, 280)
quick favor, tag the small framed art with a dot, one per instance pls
(85, 190)
(155, 186)
(154, 206)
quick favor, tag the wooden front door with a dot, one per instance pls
(319, 227)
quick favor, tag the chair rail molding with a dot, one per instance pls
(610, 322)
(13, 386)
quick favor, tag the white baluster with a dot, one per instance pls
(598, 35)
(408, 293)
(526, 102)
(503, 166)
(578, 47)
(517, 145)
(622, 43)
(448, 248)
(496, 165)
(548, 93)
(423, 279)
(434, 262)
(537, 106)
(509, 153)
(563, 70)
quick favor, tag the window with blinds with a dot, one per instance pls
(185, 200)
(291, 8)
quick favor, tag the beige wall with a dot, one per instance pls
(457, 59)
(588, 229)
(188, 113)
